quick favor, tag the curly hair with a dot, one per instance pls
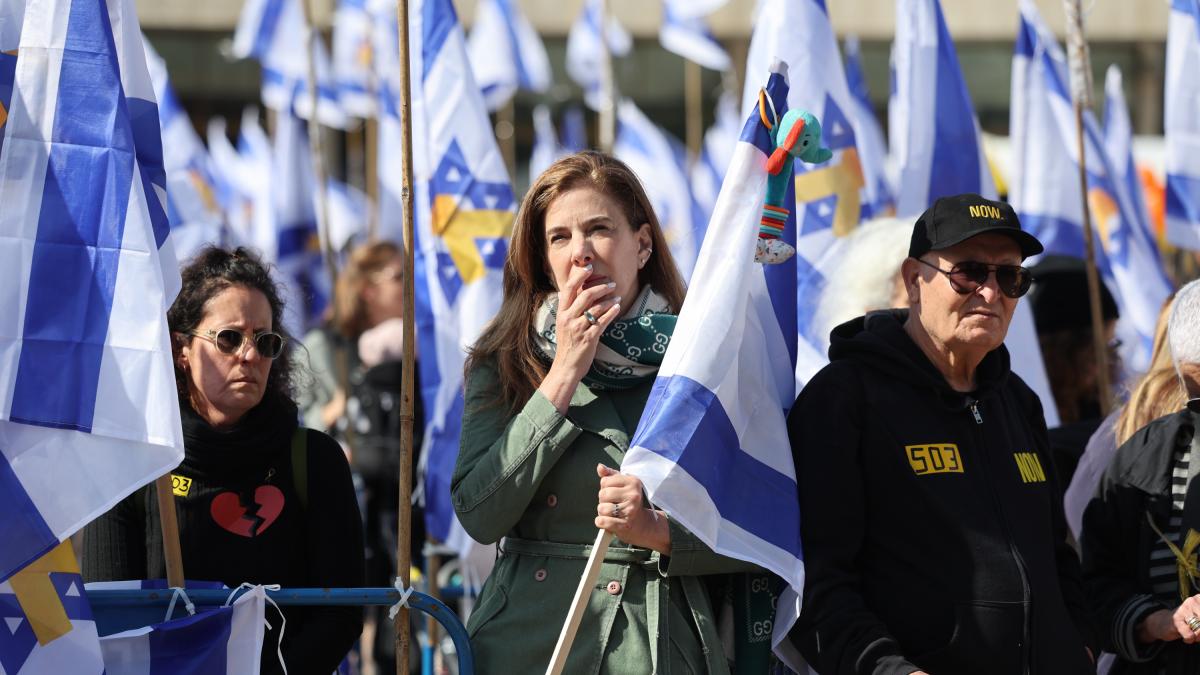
(213, 270)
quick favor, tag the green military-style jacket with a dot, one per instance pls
(531, 479)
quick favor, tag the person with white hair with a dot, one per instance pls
(1141, 532)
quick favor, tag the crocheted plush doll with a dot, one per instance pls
(797, 135)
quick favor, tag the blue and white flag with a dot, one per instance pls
(244, 180)
(585, 50)
(506, 53)
(48, 627)
(464, 208)
(1181, 124)
(574, 129)
(690, 37)
(546, 148)
(12, 14)
(1044, 187)
(660, 162)
(708, 171)
(354, 58)
(871, 144)
(88, 411)
(217, 641)
(711, 447)
(274, 32)
(830, 196)
(935, 139)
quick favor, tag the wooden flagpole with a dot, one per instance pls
(582, 593)
(316, 153)
(694, 100)
(169, 523)
(608, 113)
(408, 381)
(1081, 95)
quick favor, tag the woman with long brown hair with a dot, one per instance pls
(555, 387)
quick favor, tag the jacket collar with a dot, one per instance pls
(1150, 472)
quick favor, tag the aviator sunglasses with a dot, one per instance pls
(230, 340)
(966, 277)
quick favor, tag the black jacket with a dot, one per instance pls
(931, 522)
(1117, 539)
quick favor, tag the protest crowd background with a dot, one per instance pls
(184, 182)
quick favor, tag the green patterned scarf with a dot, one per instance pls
(630, 351)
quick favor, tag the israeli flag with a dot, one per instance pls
(871, 142)
(217, 641)
(574, 129)
(354, 58)
(506, 53)
(708, 171)
(274, 32)
(1044, 188)
(464, 214)
(660, 162)
(934, 132)
(585, 49)
(546, 148)
(689, 37)
(1182, 124)
(48, 626)
(830, 197)
(244, 179)
(12, 14)
(88, 410)
(712, 445)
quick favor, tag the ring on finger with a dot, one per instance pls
(616, 511)
(1193, 622)
(587, 314)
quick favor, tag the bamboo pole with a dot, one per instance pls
(170, 530)
(608, 114)
(372, 176)
(582, 593)
(1081, 95)
(694, 100)
(408, 382)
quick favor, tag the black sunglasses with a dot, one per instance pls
(230, 341)
(966, 277)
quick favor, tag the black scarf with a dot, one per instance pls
(250, 448)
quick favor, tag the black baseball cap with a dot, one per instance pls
(953, 220)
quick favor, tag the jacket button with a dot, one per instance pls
(552, 501)
(539, 575)
(614, 588)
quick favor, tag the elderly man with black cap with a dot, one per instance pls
(931, 522)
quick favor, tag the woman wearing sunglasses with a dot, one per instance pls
(933, 529)
(259, 499)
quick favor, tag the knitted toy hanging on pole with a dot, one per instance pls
(797, 135)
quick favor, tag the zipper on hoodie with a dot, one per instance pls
(1026, 652)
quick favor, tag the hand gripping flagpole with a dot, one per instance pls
(1080, 64)
(408, 381)
(583, 593)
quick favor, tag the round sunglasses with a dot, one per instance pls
(230, 341)
(966, 277)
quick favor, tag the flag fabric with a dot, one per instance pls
(213, 641)
(1044, 187)
(244, 179)
(690, 37)
(711, 447)
(546, 147)
(691, 9)
(660, 162)
(935, 138)
(464, 209)
(830, 196)
(872, 145)
(708, 171)
(1181, 124)
(506, 53)
(585, 49)
(48, 624)
(574, 129)
(88, 410)
(12, 14)
(353, 58)
(274, 33)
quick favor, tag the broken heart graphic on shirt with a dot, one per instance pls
(244, 517)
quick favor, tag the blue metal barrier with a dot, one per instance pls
(119, 610)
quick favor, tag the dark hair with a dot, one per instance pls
(508, 341)
(213, 270)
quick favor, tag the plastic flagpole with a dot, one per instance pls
(1081, 95)
(408, 380)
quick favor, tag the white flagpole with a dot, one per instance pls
(590, 573)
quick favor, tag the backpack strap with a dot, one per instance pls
(300, 464)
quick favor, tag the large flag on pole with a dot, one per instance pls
(506, 53)
(871, 143)
(690, 37)
(584, 49)
(1181, 124)
(88, 410)
(934, 134)
(1044, 187)
(464, 213)
(829, 197)
(711, 447)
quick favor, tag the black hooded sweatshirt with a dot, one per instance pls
(931, 522)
